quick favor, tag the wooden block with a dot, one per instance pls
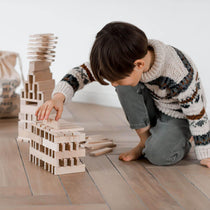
(42, 75)
(69, 169)
(101, 151)
(40, 58)
(49, 52)
(21, 116)
(67, 154)
(38, 65)
(28, 109)
(65, 162)
(43, 39)
(94, 137)
(39, 47)
(43, 157)
(36, 138)
(86, 144)
(98, 141)
(51, 145)
(45, 85)
(42, 43)
(41, 35)
(100, 145)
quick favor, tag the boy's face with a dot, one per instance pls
(132, 80)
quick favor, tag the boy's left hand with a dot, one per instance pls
(205, 162)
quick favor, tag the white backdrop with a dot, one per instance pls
(181, 23)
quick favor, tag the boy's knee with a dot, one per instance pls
(157, 156)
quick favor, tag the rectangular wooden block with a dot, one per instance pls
(28, 109)
(43, 157)
(67, 154)
(101, 151)
(42, 75)
(69, 169)
(38, 66)
(100, 145)
(45, 85)
(51, 145)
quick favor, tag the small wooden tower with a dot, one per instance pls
(54, 146)
(39, 86)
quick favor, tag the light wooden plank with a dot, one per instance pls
(196, 174)
(60, 207)
(13, 180)
(81, 188)
(32, 200)
(144, 184)
(41, 181)
(186, 194)
(114, 189)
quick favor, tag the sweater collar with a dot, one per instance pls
(157, 67)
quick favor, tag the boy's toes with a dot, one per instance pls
(125, 157)
(121, 156)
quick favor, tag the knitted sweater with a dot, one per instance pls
(174, 84)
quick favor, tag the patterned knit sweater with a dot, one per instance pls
(174, 84)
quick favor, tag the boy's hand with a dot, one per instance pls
(205, 162)
(56, 102)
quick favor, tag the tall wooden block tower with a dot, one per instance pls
(39, 86)
(54, 146)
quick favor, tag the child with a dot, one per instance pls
(159, 89)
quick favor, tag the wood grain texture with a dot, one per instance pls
(185, 193)
(144, 184)
(41, 181)
(113, 187)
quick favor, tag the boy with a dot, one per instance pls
(159, 89)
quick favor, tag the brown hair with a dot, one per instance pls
(116, 47)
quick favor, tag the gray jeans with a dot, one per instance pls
(169, 140)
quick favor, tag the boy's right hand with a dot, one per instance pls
(56, 102)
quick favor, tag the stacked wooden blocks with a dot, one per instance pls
(98, 145)
(39, 86)
(55, 146)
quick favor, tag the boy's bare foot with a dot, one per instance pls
(133, 154)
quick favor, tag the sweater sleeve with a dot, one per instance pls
(73, 81)
(193, 104)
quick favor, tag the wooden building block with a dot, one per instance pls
(101, 151)
(43, 44)
(28, 109)
(43, 39)
(43, 157)
(45, 85)
(38, 66)
(69, 169)
(51, 145)
(47, 35)
(67, 154)
(100, 145)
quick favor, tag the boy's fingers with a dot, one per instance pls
(37, 111)
(58, 115)
(49, 109)
(43, 112)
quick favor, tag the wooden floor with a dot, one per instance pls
(108, 183)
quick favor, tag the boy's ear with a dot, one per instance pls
(139, 64)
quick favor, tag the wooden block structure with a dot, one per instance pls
(57, 150)
(39, 85)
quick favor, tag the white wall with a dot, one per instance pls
(181, 23)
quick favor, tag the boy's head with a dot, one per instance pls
(117, 52)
